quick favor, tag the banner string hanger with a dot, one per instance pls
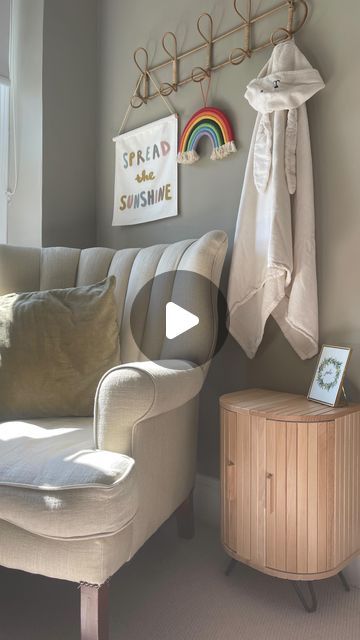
(131, 106)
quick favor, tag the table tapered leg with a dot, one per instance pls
(310, 606)
(230, 566)
(344, 582)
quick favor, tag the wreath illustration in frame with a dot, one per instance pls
(327, 383)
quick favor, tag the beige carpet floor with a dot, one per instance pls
(177, 590)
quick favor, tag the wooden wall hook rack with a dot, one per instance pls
(205, 28)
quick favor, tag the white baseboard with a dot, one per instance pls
(207, 500)
(207, 509)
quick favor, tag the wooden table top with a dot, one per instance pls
(275, 405)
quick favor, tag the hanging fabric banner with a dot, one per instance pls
(146, 173)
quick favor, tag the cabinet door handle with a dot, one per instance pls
(270, 491)
(231, 480)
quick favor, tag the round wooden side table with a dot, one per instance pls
(290, 486)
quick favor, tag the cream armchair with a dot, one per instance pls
(79, 497)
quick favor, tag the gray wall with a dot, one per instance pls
(210, 192)
(69, 122)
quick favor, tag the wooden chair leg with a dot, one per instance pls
(185, 518)
(94, 611)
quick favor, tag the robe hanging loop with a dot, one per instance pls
(288, 36)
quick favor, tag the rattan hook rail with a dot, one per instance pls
(297, 13)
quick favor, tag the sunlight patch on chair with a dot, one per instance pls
(7, 315)
(33, 431)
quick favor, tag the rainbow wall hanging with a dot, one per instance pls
(212, 123)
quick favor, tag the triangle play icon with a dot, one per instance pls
(178, 320)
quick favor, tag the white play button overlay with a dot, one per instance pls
(174, 317)
(178, 320)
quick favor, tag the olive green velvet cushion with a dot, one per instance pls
(54, 347)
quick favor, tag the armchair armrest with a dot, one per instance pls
(133, 392)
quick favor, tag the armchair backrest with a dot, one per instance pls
(29, 269)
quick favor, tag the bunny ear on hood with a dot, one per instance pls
(285, 83)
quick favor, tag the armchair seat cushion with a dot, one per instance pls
(55, 484)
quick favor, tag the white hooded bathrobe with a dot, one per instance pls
(273, 269)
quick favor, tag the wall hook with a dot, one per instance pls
(141, 68)
(208, 39)
(145, 73)
(247, 27)
(137, 101)
(305, 16)
(289, 30)
(198, 74)
(235, 58)
(166, 88)
(238, 12)
(288, 36)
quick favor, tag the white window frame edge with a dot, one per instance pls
(4, 159)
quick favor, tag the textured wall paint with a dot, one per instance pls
(69, 124)
(210, 192)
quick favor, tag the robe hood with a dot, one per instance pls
(285, 83)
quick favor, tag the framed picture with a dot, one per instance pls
(327, 383)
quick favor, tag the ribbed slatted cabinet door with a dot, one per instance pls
(300, 496)
(257, 490)
(228, 475)
(347, 488)
(276, 495)
(243, 483)
(236, 483)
